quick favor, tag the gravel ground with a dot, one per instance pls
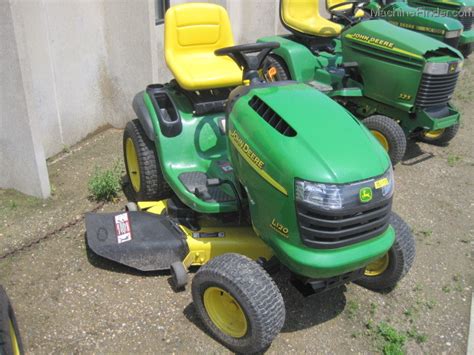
(69, 301)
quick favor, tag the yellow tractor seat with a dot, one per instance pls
(193, 31)
(303, 16)
(359, 13)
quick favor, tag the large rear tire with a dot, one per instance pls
(239, 303)
(10, 341)
(440, 137)
(390, 135)
(142, 165)
(386, 272)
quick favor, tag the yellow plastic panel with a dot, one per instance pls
(193, 31)
(304, 16)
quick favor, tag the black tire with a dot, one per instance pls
(131, 207)
(282, 72)
(153, 186)
(179, 275)
(446, 136)
(466, 50)
(393, 134)
(400, 258)
(255, 293)
(8, 345)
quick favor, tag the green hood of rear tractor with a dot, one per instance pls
(379, 34)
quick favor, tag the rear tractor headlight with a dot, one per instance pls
(443, 68)
(452, 34)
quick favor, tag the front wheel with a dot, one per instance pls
(389, 134)
(386, 272)
(239, 303)
(440, 137)
(10, 341)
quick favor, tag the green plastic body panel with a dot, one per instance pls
(467, 37)
(199, 146)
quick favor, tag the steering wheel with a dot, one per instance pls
(251, 64)
(348, 14)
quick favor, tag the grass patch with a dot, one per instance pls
(352, 309)
(104, 185)
(453, 159)
(417, 336)
(392, 341)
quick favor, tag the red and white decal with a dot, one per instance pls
(122, 228)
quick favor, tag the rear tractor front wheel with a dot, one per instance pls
(440, 137)
(238, 303)
(389, 134)
(385, 272)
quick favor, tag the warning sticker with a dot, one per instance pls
(122, 228)
(225, 166)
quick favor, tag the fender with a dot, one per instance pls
(143, 115)
(298, 58)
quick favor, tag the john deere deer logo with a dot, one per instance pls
(365, 194)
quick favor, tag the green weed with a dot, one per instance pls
(104, 185)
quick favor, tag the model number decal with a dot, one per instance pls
(280, 228)
(381, 183)
(404, 96)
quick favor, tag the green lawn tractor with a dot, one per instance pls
(462, 10)
(397, 81)
(399, 13)
(10, 340)
(242, 177)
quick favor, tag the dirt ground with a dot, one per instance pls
(67, 301)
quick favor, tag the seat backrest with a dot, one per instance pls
(186, 32)
(303, 17)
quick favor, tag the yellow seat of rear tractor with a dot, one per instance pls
(193, 31)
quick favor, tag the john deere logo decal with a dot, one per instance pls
(453, 67)
(365, 194)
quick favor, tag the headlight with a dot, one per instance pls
(343, 196)
(442, 68)
(453, 34)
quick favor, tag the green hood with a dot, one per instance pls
(330, 145)
(402, 42)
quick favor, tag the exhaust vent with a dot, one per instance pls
(272, 118)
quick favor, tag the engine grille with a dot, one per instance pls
(466, 21)
(453, 42)
(436, 90)
(333, 229)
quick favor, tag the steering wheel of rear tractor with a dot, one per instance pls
(251, 64)
(349, 15)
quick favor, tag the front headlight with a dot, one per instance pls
(443, 68)
(343, 196)
(452, 34)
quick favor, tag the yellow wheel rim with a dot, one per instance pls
(377, 267)
(14, 340)
(225, 312)
(434, 134)
(381, 138)
(132, 164)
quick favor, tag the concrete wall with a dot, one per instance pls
(21, 154)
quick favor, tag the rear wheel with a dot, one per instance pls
(143, 167)
(389, 134)
(439, 137)
(239, 303)
(10, 341)
(466, 50)
(275, 69)
(386, 272)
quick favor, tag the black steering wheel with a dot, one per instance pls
(250, 64)
(348, 15)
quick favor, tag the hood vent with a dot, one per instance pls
(272, 118)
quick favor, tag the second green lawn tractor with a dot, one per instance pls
(397, 81)
(238, 181)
